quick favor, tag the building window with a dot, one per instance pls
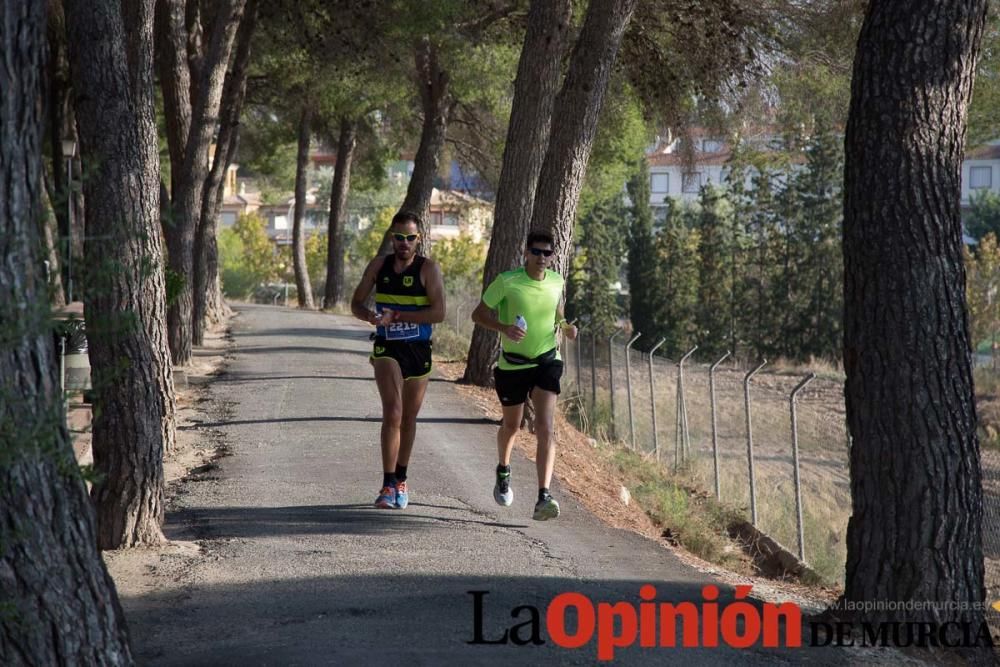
(280, 222)
(436, 218)
(691, 181)
(710, 146)
(450, 220)
(980, 177)
(659, 183)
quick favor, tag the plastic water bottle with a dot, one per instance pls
(521, 323)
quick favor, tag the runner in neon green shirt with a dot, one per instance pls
(525, 307)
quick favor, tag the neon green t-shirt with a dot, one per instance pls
(516, 293)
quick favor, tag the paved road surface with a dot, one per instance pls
(301, 570)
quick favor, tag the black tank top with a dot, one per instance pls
(401, 291)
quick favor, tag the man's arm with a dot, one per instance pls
(568, 329)
(430, 276)
(364, 288)
(485, 317)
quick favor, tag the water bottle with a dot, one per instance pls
(521, 323)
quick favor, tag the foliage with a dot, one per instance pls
(462, 260)
(246, 256)
(983, 216)
(982, 282)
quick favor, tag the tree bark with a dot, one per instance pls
(125, 300)
(535, 88)
(188, 181)
(60, 117)
(302, 282)
(59, 604)
(334, 290)
(915, 532)
(436, 103)
(578, 108)
(208, 305)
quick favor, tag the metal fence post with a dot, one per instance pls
(611, 375)
(795, 462)
(578, 348)
(652, 398)
(682, 406)
(746, 398)
(715, 426)
(628, 385)
(593, 376)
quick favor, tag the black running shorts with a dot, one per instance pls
(513, 387)
(414, 358)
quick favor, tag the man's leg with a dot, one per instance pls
(508, 431)
(545, 454)
(413, 398)
(389, 380)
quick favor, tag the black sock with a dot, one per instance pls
(501, 468)
(388, 479)
(543, 493)
(400, 473)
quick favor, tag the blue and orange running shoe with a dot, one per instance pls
(402, 496)
(386, 498)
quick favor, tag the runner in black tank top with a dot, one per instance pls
(409, 299)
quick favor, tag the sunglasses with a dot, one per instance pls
(405, 237)
(538, 251)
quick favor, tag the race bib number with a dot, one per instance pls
(402, 330)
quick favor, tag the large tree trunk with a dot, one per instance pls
(530, 119)
(436, 103)
(578, 108)
(334, 291)
(125, 303)
(209, 306)
(59, 604)
(188, 181)
(302, 282)
(915, 532)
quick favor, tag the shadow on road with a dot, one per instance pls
(416, 618)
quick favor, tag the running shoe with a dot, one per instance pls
(386, 498)
(545, 509)
(502, 493)
(402, 496)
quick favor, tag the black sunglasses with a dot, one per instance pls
(538, 251)
(405, 237)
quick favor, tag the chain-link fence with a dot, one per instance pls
(795, 489)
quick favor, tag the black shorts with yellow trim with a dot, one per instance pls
(413, 357)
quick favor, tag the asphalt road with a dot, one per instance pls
(299, 569)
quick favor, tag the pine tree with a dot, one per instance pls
(711, 314)
(642, 282)
(594, 297)
(672, 303)
(821, 267)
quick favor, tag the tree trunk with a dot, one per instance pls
(436, 102)
(188, 181)
(915, 532)
(125, 302)
(302, 282)
(578, 108)
(535, 90)
(59, 604)
(338, 211)
(208, 306)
